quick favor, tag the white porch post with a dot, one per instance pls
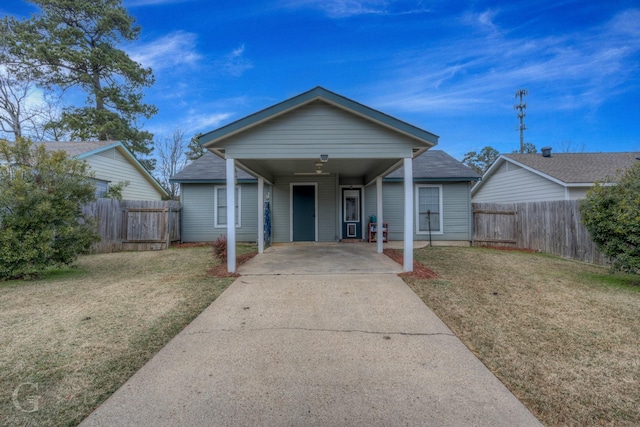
(379, 235)
(408, 214)
(231, 215)
(260, 215)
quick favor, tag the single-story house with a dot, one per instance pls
(318, 160)
(545, 177)
(441, 184)
(111, 162)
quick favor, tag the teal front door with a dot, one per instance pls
(304, 213)
(351, 215)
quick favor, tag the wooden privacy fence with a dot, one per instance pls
(134, 225)
(552, 227)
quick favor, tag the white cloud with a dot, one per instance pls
(234, 63)
(138, 3)
(202, 122)
(347, 8)
(174, 49)
(570, 71)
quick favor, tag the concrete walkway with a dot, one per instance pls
(319, 335)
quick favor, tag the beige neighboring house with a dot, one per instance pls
(111, 162)
(543, 177)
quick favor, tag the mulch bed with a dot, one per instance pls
(220, 270)
(419, 269)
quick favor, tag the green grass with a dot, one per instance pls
(561, 335)
(79, 333)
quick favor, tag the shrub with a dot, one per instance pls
(611, 213)
(220, 249)
(41, 198)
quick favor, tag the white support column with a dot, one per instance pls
(380, 219)
(231, 215)
(260, 215)
(408, 214)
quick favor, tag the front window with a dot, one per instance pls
(220, 208)
(429, 209)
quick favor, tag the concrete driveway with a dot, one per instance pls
(311, 344)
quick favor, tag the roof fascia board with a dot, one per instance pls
(254, 119)
(380, 118)
(211, 181)
(325, 95)
(537, 172)
(125, 152)
(487, 174)
(503, 159)
(98, 150)
(580, 184)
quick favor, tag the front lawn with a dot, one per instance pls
(70, 340)
(562, 335)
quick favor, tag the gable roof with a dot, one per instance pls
(310, 96)
(572, 168)
(79, 149)
(566, 169)
(83, 149)
(206, 169)
(434, 165)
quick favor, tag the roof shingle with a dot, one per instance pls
(436, 164)
(209, 167)
(75, 149)
(573, 168)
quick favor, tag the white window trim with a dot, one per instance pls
(215, 206)
(417, 208)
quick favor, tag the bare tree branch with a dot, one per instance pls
(171, 155)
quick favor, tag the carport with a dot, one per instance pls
(313, 155)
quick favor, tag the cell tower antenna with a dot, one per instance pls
(521, 107)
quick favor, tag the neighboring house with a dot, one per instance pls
(111, 162)
(441, 186)
(544, 177)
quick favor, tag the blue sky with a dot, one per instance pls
(450, 67)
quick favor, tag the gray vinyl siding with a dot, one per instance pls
(578, 193)
(518, 185)
(370, 202)
(198, 213)
(456, 211)
(112, 166)
(319, 128)
(327, 208)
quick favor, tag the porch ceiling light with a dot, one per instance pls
(324, 158)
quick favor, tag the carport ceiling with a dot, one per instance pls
(345, 168)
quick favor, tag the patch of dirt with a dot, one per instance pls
(504, 248)
(189, 245)
(220, 270)
(419, 269)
